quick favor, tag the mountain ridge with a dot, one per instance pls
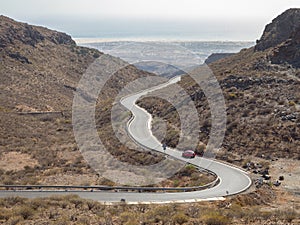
(39, 72)
(262, 100)
(282, 35)
(280, 29)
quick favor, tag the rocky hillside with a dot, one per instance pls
(288, 51)
(262, 98)
(39, 71)
(283, 37)
(33, 56)
(216, 56)
(279, 30)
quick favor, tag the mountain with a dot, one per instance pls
(283, 37)
(39, 72)
(33, 56)
(261, 89)
(288, 51)
(160, 69)
(216, 56)
(279, 30)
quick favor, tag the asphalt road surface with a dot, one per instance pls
(232, 180)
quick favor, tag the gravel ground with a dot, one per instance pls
(289, 190)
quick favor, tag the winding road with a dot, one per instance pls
(232, 179)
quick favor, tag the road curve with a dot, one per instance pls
(232, 179)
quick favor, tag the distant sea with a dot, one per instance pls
(201, 48)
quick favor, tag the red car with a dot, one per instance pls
(188, 154)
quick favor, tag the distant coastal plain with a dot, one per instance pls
(201, 48)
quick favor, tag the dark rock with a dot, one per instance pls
(62, 38)
(246, 82)
(266, 177)
(276, 183)
(70, 87)
(282, 37)
(19, 57)
(291, 117)
(288, 52)
(279, 30)
(217, 56)
(26, 34)
(265, 172)
(12, 32)
(261, 65)
(31, 36)
(259, 182)
(2, 42)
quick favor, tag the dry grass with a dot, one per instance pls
(71, 209)
(261, 121)
(16, 161)
(41, 148)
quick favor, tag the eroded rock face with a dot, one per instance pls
(279, 30)
(61, 38)
(288, 52)
(217, 56)
(17, 56)
(12, 31)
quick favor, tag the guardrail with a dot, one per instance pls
(212, 184)
(107, 188)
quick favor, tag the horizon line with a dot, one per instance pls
(90, 40)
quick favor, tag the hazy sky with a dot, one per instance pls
(184, 19)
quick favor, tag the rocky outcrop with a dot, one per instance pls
(12, 32)
(39, 72)
(161, 69)
(279, 30)
(32, 56)
(61, 38)
(216, 56)
(288, 51)
(17, 56)
(282, 38)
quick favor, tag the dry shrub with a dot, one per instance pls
(215, 218)
(25, 211)
(180, 218)
(129, 218)
(15, 220)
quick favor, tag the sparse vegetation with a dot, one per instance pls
(262, 102)
(70, 209)
(47, 138)
(261, 114)
(216, 218)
